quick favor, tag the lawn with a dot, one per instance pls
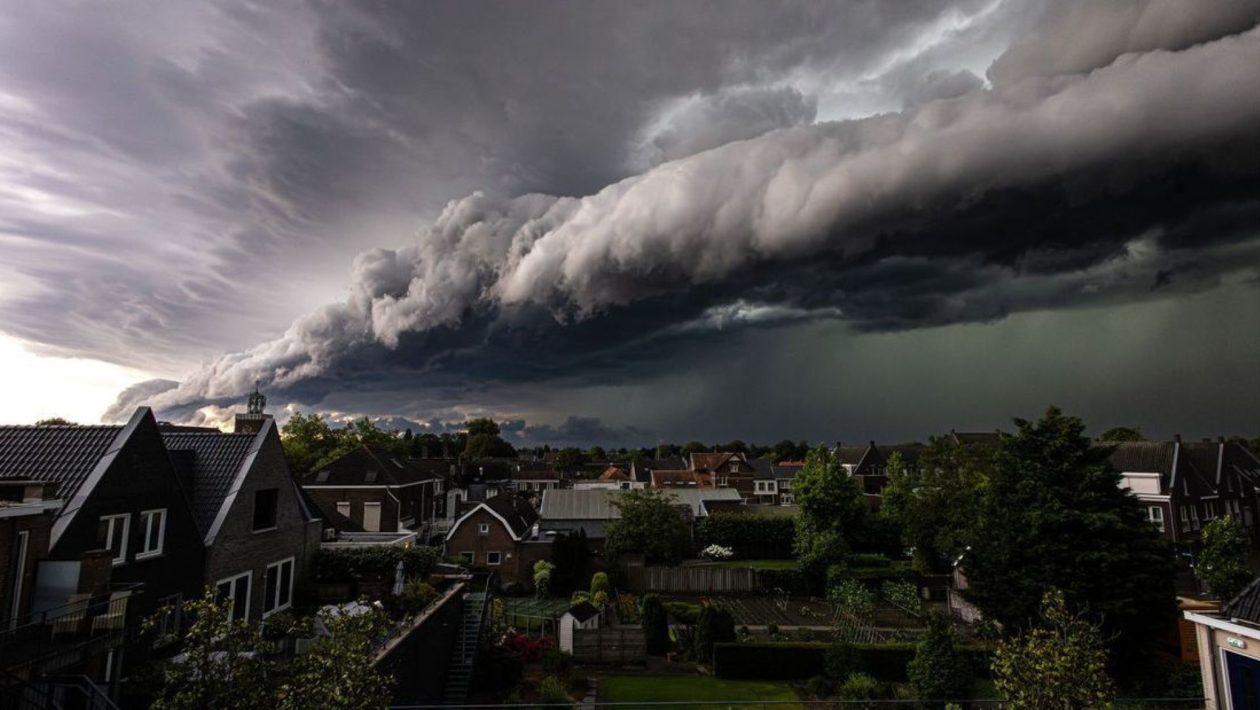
(676, 688)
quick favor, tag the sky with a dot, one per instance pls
(627, 223)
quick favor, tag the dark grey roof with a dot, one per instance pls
(517, 511)
(583, 611)
(1246, 605)
(1143, 457)
(366, 466)
(781, 472)
(216, 460)
(762, 468)
(63, 454)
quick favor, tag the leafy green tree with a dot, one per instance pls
(1060, 664)
(693, 447)
(55, 421)
(788, 450)
(570, 458)
(1120, 434)
(938, 671)
(482, 425)
(655, 625)
(935, 504)
(230, 664)
(220, 666)
(1053, 515)
(853, 600)
(1223, 563)
(832, 511)
(340, 672)
(600, 583)
(737, 446)
(307, 440)
(597, 453)
(650, 525)
(542, 578)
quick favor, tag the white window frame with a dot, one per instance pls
(276, 605)
(249, 590)
(496, 562)
(380, 520)
(343, 507)
(483, 528)
(468, 557)
(146, 524)
(1155, 514)
(126, 534)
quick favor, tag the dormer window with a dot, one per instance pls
(369, 477)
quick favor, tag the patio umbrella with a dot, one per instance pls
(398, 579)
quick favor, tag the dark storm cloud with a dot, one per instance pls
(1056, 187)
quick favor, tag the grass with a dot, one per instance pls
(675, 688)
(759, 564)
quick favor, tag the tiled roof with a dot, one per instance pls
(671, 479)
(599, 504)
(216, 460)
(612, 473)
(1144, 457)
(787, 469)
(368, 466)
(1246, 605)
(63, 454)
(710, 461)
(536, 475)
(517, 511)
(851, 455)
(583, 611)
(762, 468)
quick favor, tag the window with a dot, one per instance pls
(483, 528)
(1156, 516)
(437, 486)
(235, 590)
(168, 619)
(494, 558)
(372, 517)
(734, 467)
(153, 524)
(467, 557)
(114, 531)
(343, 508)
(265, 508)
(369, 477)
(278, 589)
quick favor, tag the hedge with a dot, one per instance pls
(751, 536)
(799, 661)
(346, 565)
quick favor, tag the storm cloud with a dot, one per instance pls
(845, 218)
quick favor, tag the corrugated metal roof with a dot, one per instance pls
(64, 454)
(217, 458)
(597, 504)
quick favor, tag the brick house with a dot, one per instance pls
(27, 510)
(259, 532)
(499, 535)
(726, 470)
(773, 481)
(379, 491)
(1185, 485)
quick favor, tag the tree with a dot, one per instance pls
(650, 525)
(655, 625)
(597, 453)
(788, 450)
(340, 672)
(55, 421)
(935, 504)
(229, 664)
(715, 625)
(1120, 434)
(542, 578)
(484, 446)
(482, 425)
(832, 511)
(938, 671)
(1060, 664)
(1053, 515)
(1223, 563)
(220, 666)
(570, 458)
(600, 583)
(693, 447)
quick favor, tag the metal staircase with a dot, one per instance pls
(459, 671)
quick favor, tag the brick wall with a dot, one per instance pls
(357, 497)
(237, 549)
(38, 528)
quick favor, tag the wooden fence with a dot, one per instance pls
(693, 580)
(617, 644)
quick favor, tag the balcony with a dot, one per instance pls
(56, 640)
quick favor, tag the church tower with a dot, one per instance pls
(251, 422)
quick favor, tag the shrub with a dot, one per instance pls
(903, 594)
(716, 625)
(751, 536)
(841, 661)
(552, 691)
(348, 565)
(798, 661)
(860, 686)
(655, 625)
(542, 578)
(683, 613)
(868, 560)
(599, 583)
(529, 649)
(628, 609)
(600, 599)
(417, 595)
(557, 663)
(820, 686)
(853, 598)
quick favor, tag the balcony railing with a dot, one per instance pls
(57, 638)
